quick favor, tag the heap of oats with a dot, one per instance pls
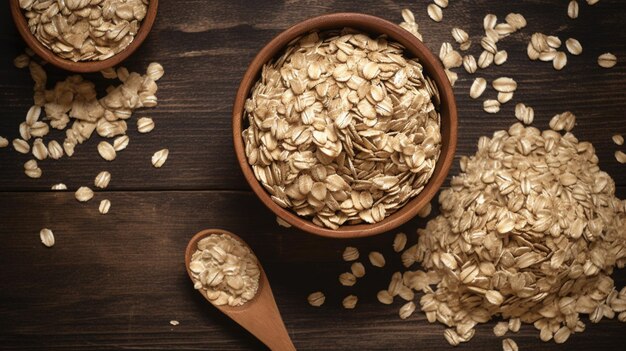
(530, 229)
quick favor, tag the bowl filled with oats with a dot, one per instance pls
(84, 35)
(344, 125)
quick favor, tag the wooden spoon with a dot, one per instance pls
(260, 316)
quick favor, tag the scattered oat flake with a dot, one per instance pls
(47, 237)
(174, 322)
(316, 299)
(281, 222)
(573, 46)
(159, 158)
(620, 156)
(607, 60)
(435, 13)
(509, 345)
(618, 139)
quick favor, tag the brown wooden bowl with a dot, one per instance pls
(433, 68)
(82, 66)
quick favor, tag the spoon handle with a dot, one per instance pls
(265, 321)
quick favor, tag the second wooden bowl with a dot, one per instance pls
(82, 66)
(432, 67)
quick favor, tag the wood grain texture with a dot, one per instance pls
(115, 281)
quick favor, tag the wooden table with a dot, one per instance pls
(115, 281)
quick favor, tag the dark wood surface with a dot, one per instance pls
(115, 281)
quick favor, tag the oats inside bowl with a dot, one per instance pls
(343, 128)
(84, 30)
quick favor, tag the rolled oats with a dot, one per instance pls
(350, 254)
(358, 269)
(516, 252)
(434, 12)
(459, 35)
(607, 60)
(478, 87)
(618, 139)
(102, 180)
(384, 297)
(509, 345)
(83, 194)
(32, 115)
(59, 186)
(399, 242)
(31, 169)
(524, 114)
(469, 63)
(504, 85)
(560, 60)
(159, 158)
(281, 222)
(349, 302)
(500, 57)
(106, 151)
(104, 207)
(120, 143)
(345, 153)
(503, 98)
(227, 272)
(572, 9)
(145, 125)
(491, 106)
(376, 259)
(620, 156)
(316, 299)
(47, 237)
(55, 151)
(347, 279)
(573, 46)
(490, 21)
(82, 30)
(39, 150)
(500, 328)
(21, 61)
(485, 59)
(21, 146)
(407, 310)
(155, 71)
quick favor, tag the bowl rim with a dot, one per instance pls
(82, 66)
(431, 65)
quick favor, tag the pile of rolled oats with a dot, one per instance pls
(531, 231)
(84, 30)
(343, 128)
(225, 269)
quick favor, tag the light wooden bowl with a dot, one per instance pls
(82, 66)
(432, 67)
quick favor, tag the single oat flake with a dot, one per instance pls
(83, 194)
(316, 299)
(47, 237)
(607, 60)
(159, 158)
(434, 12)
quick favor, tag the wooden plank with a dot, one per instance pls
(206, 46)
(115, 281)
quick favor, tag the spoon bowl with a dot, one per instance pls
(260, 315)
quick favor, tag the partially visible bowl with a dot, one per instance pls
(432, 67)
(82, 66)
